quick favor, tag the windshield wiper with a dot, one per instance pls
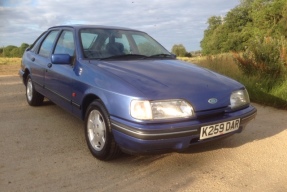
(125, 56)
(162, 55)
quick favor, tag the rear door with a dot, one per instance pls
(39, 57)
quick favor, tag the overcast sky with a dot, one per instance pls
(168, 21)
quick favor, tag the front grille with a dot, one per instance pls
(210, 114)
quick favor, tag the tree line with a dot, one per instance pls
(13, 51)
(250, 21)
(180, 51)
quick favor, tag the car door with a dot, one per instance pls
(39, 59)
(58, 77)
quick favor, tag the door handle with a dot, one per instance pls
(33, 59)
(49, 65)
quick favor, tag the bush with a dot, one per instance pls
(187, 54)
(266, 59)
(179, 50)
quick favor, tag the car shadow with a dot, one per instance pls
(47, 102)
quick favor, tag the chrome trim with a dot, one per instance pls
(174, 133)
(157, 135)
(64, 98)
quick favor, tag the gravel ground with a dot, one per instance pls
(43, 149)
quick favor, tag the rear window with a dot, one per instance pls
(36, 44)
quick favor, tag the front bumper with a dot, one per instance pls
(148, 138)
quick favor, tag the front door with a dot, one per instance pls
(59, 77)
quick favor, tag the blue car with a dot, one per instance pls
(132, 94)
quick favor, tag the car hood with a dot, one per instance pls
(174, 79)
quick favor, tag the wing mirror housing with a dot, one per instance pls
(61, 59)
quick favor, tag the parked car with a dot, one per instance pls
(132, 94)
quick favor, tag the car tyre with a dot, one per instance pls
(33, 97)
(98, 132)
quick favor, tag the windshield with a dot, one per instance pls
(110, 43)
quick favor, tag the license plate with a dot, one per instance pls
(219, 129)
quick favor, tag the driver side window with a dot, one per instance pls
(65, 44)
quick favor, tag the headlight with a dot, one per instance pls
(162, 109)
(141, 110)
(239, 98)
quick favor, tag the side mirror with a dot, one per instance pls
(61, 59)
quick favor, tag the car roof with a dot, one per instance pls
(81, 26)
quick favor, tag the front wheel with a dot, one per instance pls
(98, 132)
(33, 97)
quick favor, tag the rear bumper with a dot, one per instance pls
(21, 74)
(146, 138)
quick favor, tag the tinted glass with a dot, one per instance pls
(122, 40)
(105, 43)
(65, 44)
(47, 44)
(35, 45)
(88, 38)
(146, 46)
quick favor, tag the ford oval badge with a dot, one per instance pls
(212, 100)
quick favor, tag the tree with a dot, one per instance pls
(282, 27)
(179, 50)
(248, 21)
(8, 50)
(188, 54)
(13, 51)
(208, 44)
(23, 47)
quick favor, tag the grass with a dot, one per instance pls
(225, 64)
(9, 61)
(9, 66)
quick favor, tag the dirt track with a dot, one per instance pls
(43, 149)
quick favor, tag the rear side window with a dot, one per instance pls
(65, 44)
(47, 44)
(35, 45)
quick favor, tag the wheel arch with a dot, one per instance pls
(87, 101)
(25, 75)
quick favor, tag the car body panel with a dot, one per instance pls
(170, 79)
(58, 81)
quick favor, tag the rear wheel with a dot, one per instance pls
(98, 132)
(33, 97)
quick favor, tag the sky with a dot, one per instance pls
(170, 22)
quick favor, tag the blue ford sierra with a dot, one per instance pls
(132, 94)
